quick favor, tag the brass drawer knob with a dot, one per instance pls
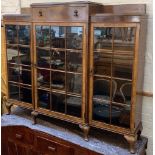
(40, 13)
(75, 13)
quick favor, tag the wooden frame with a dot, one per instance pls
(129, 133)
(12, 101)
(57, 114)
(88, 15)
(91, 70)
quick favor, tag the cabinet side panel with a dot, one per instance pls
(3, 62)
(140, 73)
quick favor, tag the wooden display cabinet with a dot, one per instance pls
(18, 43)
(116, 67)
(81, 62)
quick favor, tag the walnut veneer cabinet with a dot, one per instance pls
(80, 62)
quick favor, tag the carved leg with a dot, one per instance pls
(7, 104)
(85, 128)
(34, 115)
(131, 140)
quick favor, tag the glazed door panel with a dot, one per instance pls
(59, 68)
(19, 58)
(111, 62)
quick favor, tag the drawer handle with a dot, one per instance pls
(40, 13)
(51, 148)
(18, 136)
(75, 13)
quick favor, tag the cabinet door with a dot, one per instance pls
(18, 50)
(112, 58)
(59, 68)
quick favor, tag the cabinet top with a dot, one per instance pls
(64, 3)
(79, 11)
(117, 18)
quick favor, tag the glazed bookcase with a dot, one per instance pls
(19, 70)
(63, 79)
(80, 62)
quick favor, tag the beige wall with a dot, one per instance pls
(13, 6)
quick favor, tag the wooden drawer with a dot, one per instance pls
(59, 13)
(21, 134)
(46, 146)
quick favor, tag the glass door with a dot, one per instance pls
(112, 60)
(59, 68)
(18, 48)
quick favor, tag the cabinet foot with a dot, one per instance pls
(8, 105)
(131, 139)
(34, 116)
(85, 128)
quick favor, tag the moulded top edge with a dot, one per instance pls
(62, 3)
(117, 15)
(16, 15)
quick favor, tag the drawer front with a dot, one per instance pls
(46, 146)
(21, 134)
(59, 13)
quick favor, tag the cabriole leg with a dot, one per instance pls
(8, 107)
(34, 116)
(132, 141)
(85, 128)
(7, 104)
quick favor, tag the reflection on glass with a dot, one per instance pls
(74, 83)
(43, 58)
(74, 37)
(101, 98)
(58, 37)
(25, 76)
(24, 34)
(43, 36)
(58, 102)
(13, 91)
(103, 38)
(120, 116)
(101, 90)
(11, 34)
(12, 54)
(58, 60)
(101, 112)
(24, 56)
(124, 38)
(58, 80)
(74, 61)
(122, 66)
(115, 114)
(102, 63)
(43, 78)
(13, 74)
(25, 95)
(123, 92)
(74, 106)
(43, 99)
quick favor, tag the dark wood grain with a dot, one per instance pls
(41, 143)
